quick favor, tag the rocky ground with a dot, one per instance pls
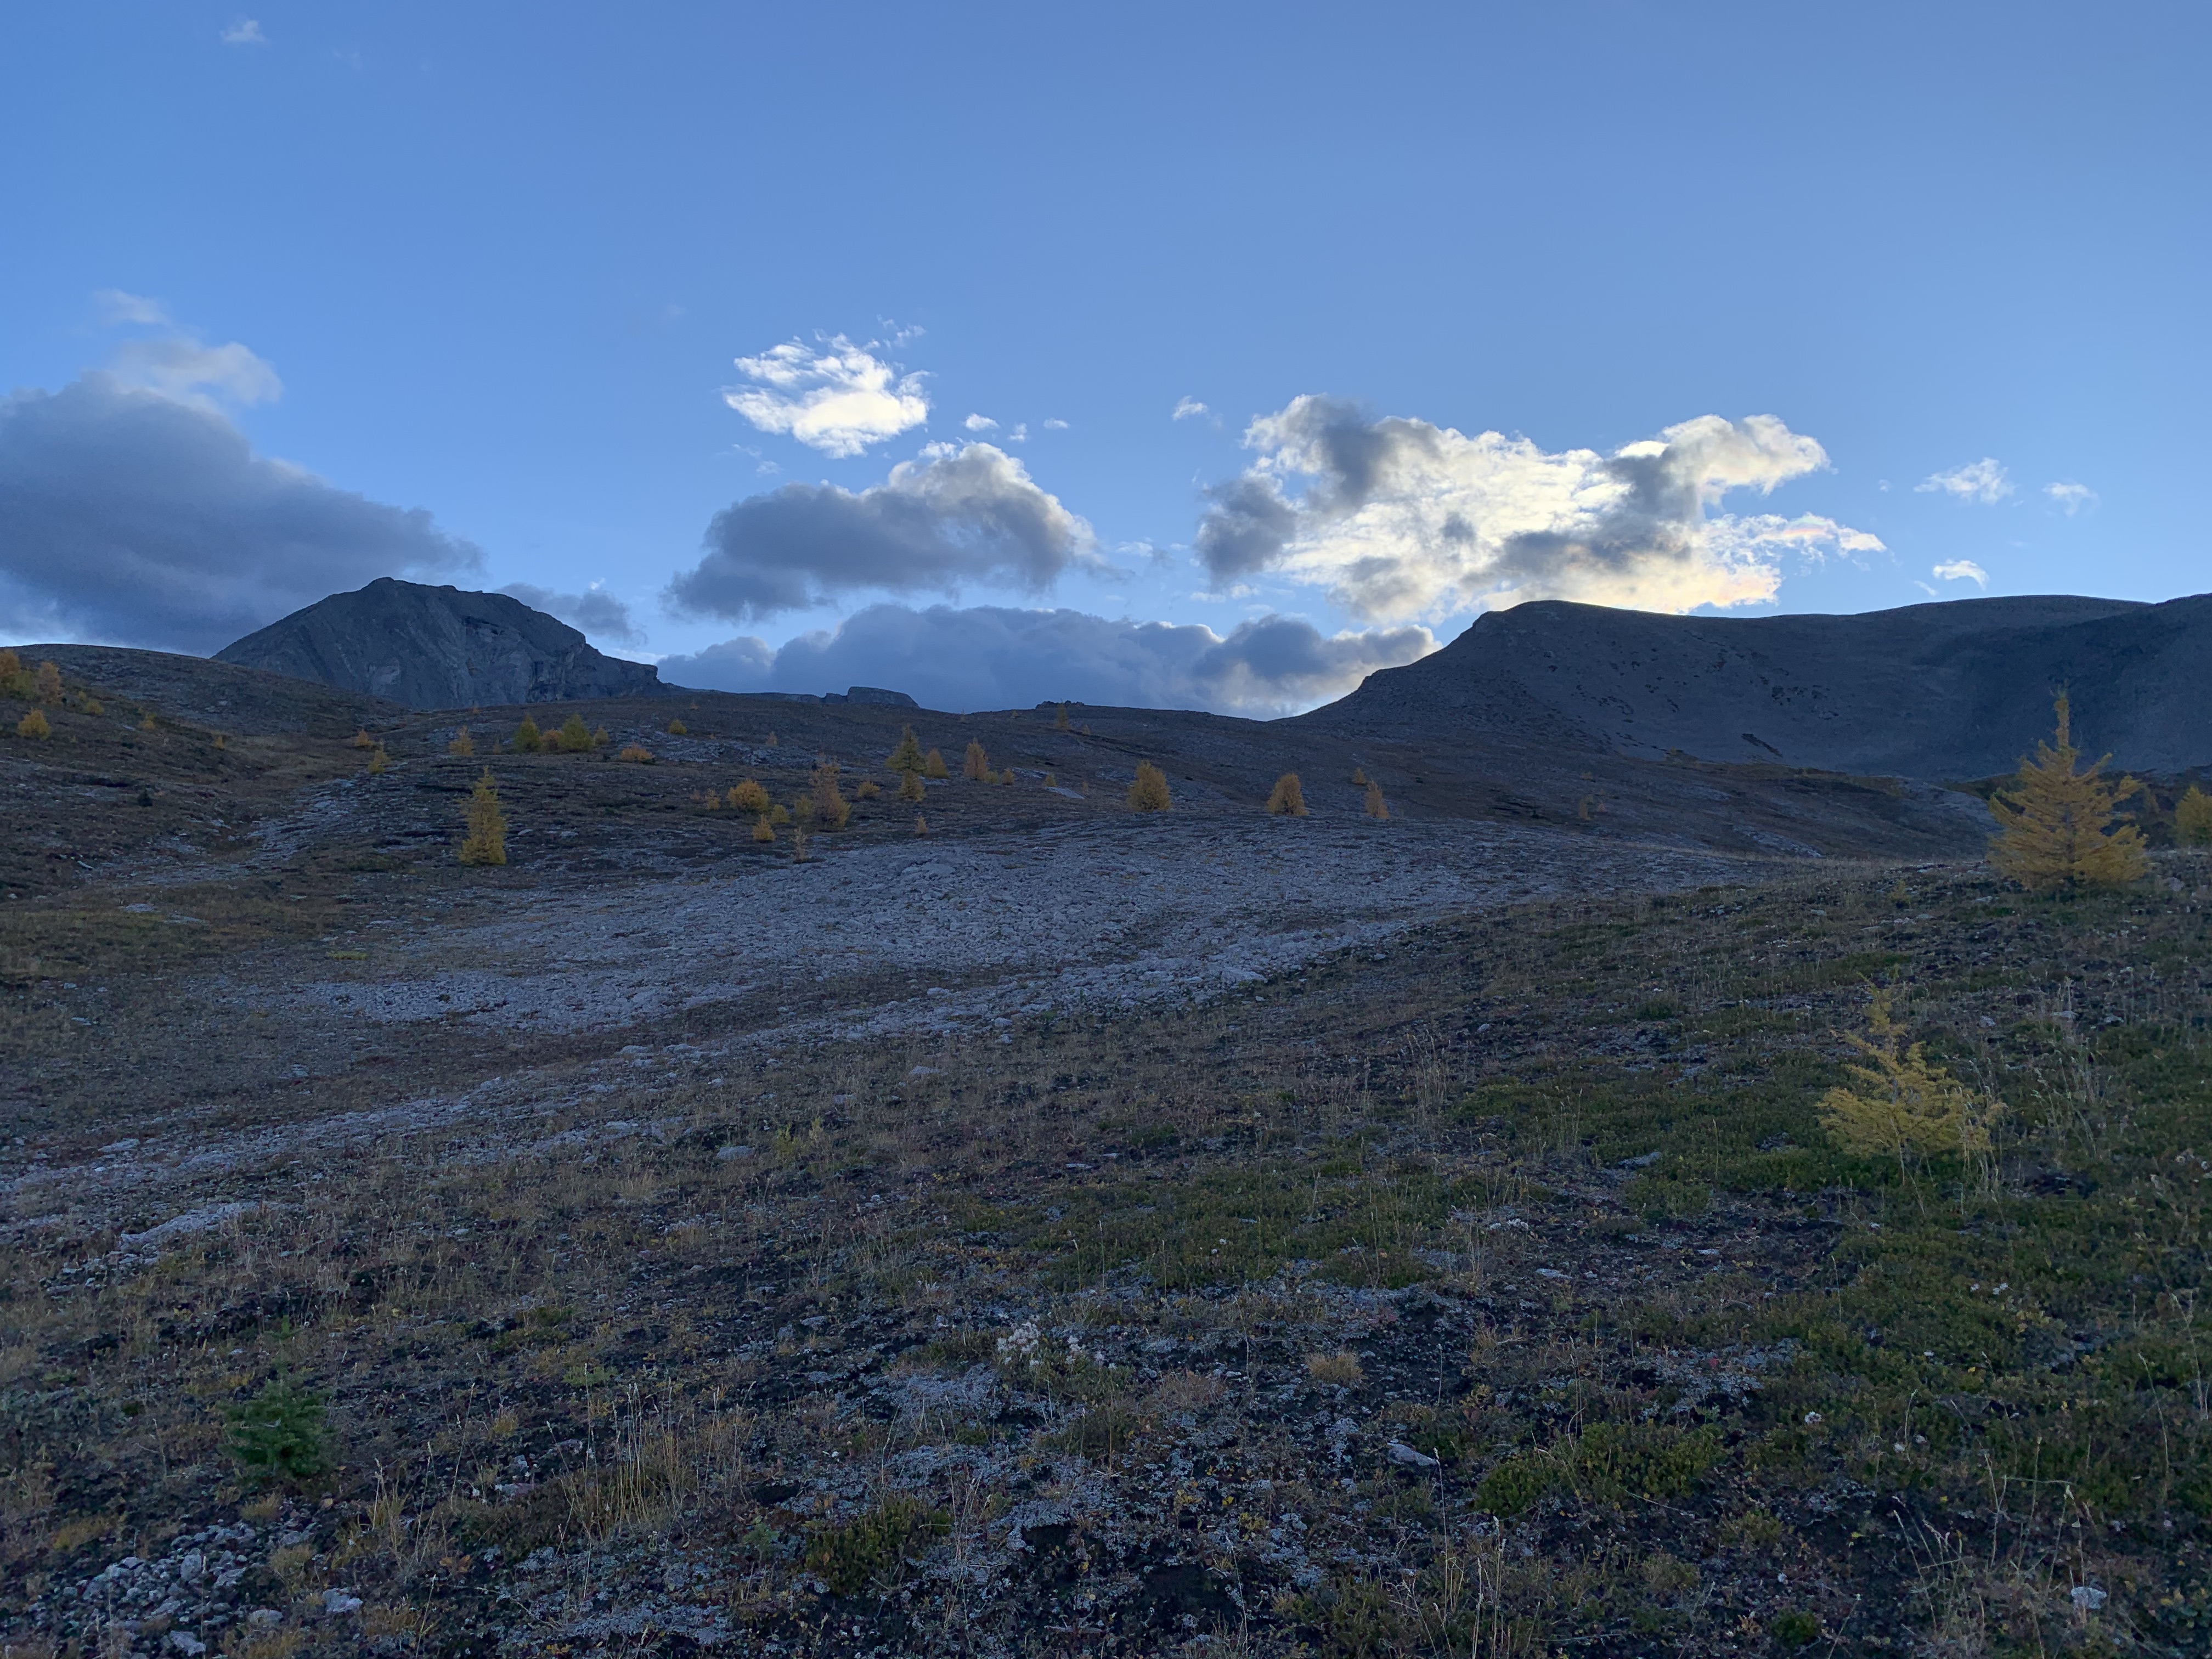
(1067, 1232)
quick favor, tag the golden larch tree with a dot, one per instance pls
(1900, 1105)
(2056, 830)
(486, 840)
(1149, 793)
(2192, 818)
(1378, 808)
(976, 765)
(1289, 799)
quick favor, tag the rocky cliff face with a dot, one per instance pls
(439, 647)
(1941, 691)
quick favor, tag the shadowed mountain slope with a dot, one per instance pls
(1959, 689)
(438, 647)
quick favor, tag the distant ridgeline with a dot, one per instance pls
(439, 647)
(1954, 690)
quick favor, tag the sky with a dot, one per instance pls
(1197, 356)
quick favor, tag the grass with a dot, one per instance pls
(1545, 1199)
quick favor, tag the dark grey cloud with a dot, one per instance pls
(952, 516)
(595, 611)
(998, 657)
(133, 517)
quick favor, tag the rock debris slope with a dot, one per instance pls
(1950, 691)
(438, 647)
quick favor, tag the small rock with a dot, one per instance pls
(1401, 1453)
(724, 1154)
(187, 1643)
(2087, 1597)
(264, 1618)
(189, 1569)
(339, 1602)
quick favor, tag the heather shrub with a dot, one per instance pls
(975, 764)
(1149, 793)
(485, 841)
(1288, 800)
(33, 724)
(933, 766)
(463, 744)
(528, 739)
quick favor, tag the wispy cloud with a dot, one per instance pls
(595, 611)
(979, 423)
(1397, 518)
(838, 400)
(1054, 423)
(1983, 481)
(1962, 570)
(118, 309)
(2070, 496)
(246, 32)
(178, 364)
(1189, 409)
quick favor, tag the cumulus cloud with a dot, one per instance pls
(1188, 409)
(838, 400)
(246, 32)
(995, 656)
(134, 516)
(595, 611)
(951, 517)
(979, 423)
(1397, 518)
(1962, 570)
(2071, 497)
(1983, 481)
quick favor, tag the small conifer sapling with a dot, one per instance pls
(867, 791)
(50, 683)
(831, 809)
(463, 744)
(33, 724)
(1288, 800)
(920, 824)
(933, 766)
(1060, 724)
(910, 787)
(486, 840)
(379, 762)
(750, 797)
(528, 739)
(2055, 831)
(2192, 818)
(1378, 808)
(678, 729)
(1149, 793)
(1359, 776)
(363, 740)
(975, 764)
(762, 830)
(907, 757)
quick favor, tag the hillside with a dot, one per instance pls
(438, 647)
(1952, 691)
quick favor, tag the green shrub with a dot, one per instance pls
(872, 1550)
(282, 1433)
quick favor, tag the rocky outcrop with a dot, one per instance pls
(439, 647)
(1953, 690)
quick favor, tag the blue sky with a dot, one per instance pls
(297, 295)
